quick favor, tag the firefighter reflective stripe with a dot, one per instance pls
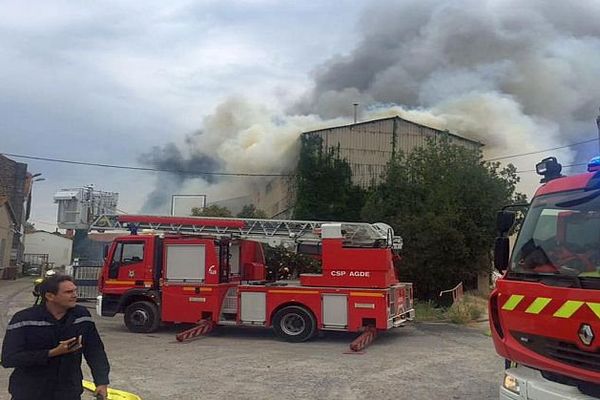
(538, 305)
(512, 302)
(21, 324)
(83, 319)
(568, 309)
(595, 307)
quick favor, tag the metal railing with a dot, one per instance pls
(457, 292)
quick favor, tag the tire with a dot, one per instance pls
(142, 317)
(294, 324)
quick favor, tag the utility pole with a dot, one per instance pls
(356, 106)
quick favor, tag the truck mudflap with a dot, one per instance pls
(522, 383)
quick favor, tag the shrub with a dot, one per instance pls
(427, 311)
(469, 308)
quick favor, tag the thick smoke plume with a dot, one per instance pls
(238, 138)
(517, 76)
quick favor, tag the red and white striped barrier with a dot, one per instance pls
(365, 339)
(204, 326)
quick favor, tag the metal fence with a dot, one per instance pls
(35, 264)
(86, 279)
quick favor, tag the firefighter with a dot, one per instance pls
(37, 283)
(44, 345)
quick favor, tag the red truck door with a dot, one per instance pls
(188, 266)
(129, 264)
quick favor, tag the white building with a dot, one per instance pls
(58, 247)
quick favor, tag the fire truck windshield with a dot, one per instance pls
(560, 236)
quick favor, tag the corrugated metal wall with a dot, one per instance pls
(275, 196)
(368, 146)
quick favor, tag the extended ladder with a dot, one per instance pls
(271, 231)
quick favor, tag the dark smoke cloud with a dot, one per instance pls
(171, 157)
(421, 53)
(519, 76)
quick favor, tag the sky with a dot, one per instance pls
(227, 86)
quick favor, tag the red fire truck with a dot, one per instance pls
(183, 270)
(545, 310)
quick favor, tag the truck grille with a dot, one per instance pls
(559, 350)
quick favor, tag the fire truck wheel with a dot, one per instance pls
(294, 324)
(142, 317)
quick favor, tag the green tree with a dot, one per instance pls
(442, 199)
(211, 211)
(250, 211)
(324, 184)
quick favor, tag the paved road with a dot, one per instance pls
(423, 361)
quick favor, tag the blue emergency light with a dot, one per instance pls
(594, 164)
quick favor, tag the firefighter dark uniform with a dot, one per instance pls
(31, 333)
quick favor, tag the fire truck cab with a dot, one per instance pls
(545, 310)
(190, 269)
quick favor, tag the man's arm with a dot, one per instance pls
(14, 351)
(95, 356)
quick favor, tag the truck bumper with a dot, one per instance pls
(533, 386)
(401, 320)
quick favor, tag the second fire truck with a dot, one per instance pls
(186, 270)
(545, 310)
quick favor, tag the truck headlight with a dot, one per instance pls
(511, 383)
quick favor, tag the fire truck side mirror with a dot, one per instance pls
(504, 221)
(105, 251)
(501, 250)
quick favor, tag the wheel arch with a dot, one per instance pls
(138, 295)
(293, 303)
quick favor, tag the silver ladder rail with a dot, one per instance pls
(272, 231)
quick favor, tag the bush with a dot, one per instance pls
(469, 308)
(427, 311)
(442, 199)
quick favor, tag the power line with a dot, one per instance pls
(149, 169)
(541, 151)
(130, 167)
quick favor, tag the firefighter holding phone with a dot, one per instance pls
(45, 344)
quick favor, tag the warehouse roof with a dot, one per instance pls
(391, 118)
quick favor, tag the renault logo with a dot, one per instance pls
(586, 334)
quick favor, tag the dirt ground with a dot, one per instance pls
(421, 361)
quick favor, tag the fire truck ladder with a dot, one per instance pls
(270, 231)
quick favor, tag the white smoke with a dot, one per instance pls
(240, 137)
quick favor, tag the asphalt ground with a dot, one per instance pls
(420, 361)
